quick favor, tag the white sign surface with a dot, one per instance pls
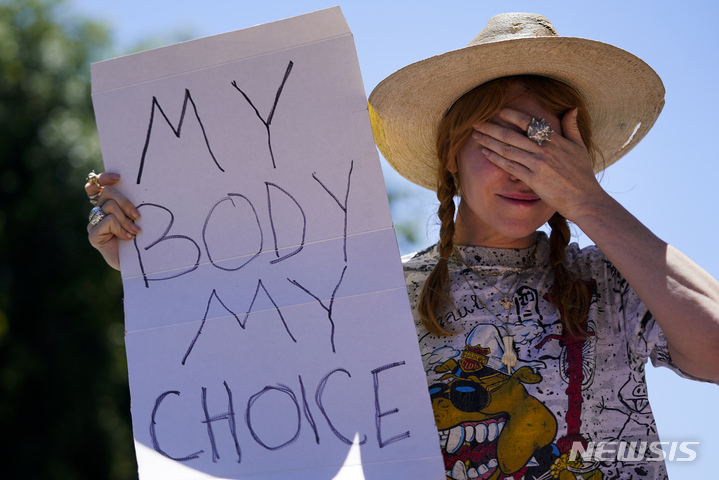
(268, 326)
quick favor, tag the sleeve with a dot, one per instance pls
(645, 338)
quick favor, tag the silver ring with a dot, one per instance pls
(93, 198)
(96, 215)
(539, 131)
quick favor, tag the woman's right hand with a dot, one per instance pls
(119, 220)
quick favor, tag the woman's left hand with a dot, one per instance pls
(559, 171)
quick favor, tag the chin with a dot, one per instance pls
(522, 228)
(520, 232)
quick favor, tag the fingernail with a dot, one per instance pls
(476, 135)
(135, 214)
(114, 176)
(135, 228)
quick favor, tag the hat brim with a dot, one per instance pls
(623, 94)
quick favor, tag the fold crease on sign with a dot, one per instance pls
(159, 63)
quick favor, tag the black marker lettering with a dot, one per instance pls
(328, 309)
(207, 221)
(153, 431)
(318, 398)
(242, 322)
(248, 415)
(308, 413)
(379, 413)
(342, 207)
(177, 131)
(267, 122)
(163, 238)
(249, 310)
(202, 324)
(272, 223)
(229, 415)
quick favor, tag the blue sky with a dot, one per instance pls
(669, 181)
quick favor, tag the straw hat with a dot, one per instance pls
(623, 94)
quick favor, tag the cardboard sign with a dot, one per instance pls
(268, 327)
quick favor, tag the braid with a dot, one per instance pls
(434, 293)
(567, 292)
(445, 212)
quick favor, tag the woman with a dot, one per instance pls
(534, 349)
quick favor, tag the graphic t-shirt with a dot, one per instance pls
(564, 393)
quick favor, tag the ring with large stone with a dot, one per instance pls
(96, 215)
(93, 179)
(539, 131)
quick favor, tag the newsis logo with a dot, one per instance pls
(634, 451)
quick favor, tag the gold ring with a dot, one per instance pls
(93, 179)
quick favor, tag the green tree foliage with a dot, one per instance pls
(64, 402)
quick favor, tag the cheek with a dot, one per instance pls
(549, 213)
(477, 170)
(471, 160)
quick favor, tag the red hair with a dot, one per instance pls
(479, 105)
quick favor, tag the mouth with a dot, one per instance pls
(470, 449)
(521, 200)
(639, 404)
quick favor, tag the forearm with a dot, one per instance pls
(683, 298)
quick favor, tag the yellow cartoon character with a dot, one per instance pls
(490, 426)
(566, 469)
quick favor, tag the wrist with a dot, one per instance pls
(594, 208)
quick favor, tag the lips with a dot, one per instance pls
(474, 443)
(520, 199)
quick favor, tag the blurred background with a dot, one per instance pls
(64, 402)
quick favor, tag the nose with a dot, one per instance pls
(516, 180)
